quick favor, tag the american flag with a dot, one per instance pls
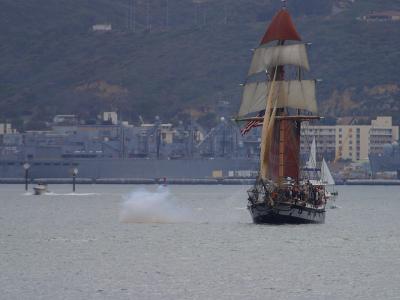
(252, 123)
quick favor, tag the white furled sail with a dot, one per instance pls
(267, 57)
(268, 125)
(312, 160)
(326, 176)
(297, 94)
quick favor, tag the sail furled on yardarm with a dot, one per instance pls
(276, 96)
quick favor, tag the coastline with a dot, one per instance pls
(179, 181)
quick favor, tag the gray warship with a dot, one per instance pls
(112, 149)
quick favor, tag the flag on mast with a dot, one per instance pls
(253, 123)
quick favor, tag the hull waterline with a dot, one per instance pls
(286, 214)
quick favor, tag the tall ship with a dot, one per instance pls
(277, 97)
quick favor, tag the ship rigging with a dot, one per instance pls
(281, 194)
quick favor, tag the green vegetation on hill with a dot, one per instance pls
(52, 63)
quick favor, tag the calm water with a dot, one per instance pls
(64, 246)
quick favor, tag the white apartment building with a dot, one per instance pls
(111, 116)
(353, 142)
(6, 128)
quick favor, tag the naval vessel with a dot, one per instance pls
(111, 149)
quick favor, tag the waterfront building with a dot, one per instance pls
(110, 138)
(350, 141)
(6, 128)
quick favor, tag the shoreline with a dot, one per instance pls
(179, 181)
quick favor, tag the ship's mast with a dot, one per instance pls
(280, 137)
(282, 140)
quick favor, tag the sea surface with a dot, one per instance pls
(193, 242)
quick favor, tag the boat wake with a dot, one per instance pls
(71, 194)
(62, 194)
(143, 206)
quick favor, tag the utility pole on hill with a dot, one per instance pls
(196, 10)
(204, 15)
(167, 15)
(132, 16)
(226, 12)
(148, 25)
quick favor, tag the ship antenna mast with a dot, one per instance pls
(284, 4)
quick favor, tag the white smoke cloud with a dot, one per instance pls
(143, 206)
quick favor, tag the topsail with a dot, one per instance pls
(267, 57)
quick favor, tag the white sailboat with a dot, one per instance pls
(312, 159)
(329, 182)
(313, 172)
(324, 178)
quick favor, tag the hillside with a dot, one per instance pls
(52, 63)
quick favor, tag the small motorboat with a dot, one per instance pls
(40, 189)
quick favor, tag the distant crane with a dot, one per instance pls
(141, 120)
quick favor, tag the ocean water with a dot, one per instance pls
(193, 242)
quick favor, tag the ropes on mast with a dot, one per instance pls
(268, 124)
